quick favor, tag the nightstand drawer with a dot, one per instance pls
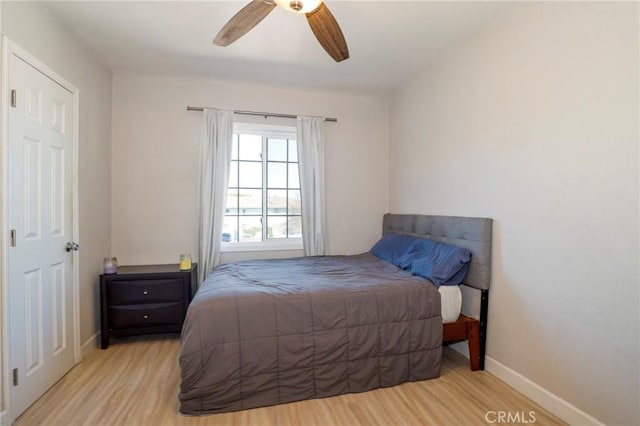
(145, 291)
(147, 315)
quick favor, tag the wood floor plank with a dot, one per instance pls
(135, 382)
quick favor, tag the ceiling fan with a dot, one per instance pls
(320, 19)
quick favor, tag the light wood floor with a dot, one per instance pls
(135, 382)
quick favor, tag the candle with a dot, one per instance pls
(110, 265)
(185, 262)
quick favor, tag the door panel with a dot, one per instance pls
(57, 191)
(32, 188)
(33, 320)
(40, 287)
(58, 318)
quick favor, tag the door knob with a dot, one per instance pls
(72, 246)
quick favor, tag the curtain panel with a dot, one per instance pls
(311, 158)
(215, 156)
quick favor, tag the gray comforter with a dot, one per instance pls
(273, 331)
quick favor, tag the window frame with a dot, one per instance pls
(266, 131)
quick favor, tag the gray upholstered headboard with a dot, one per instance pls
(471, 233)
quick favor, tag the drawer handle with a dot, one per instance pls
(145, 292)
(146, 316)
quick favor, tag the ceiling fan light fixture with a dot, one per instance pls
(299, 6)
(322, 22)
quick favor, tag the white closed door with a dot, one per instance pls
(39, 193)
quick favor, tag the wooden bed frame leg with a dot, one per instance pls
(474, 344)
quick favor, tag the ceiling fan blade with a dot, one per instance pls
(328, 32)
(243, 21)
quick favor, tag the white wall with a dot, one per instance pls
(34, 28)
(534, 122)
(155, 157)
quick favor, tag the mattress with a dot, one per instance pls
(267, 332)
(451, 302)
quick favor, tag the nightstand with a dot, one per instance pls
(144, 299)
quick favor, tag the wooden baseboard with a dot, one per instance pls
(90, 345)
(556, 405)
(549, 401)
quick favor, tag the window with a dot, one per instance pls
(263, 208)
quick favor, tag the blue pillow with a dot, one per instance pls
(418, 249)
(442, 264)
(392, 246)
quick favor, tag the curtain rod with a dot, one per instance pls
(263, 114)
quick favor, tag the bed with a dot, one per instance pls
(267, 332)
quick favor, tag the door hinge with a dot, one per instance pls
(13, 238)
(14, 97)
(15, 377)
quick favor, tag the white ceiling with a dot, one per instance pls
(389, 41)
